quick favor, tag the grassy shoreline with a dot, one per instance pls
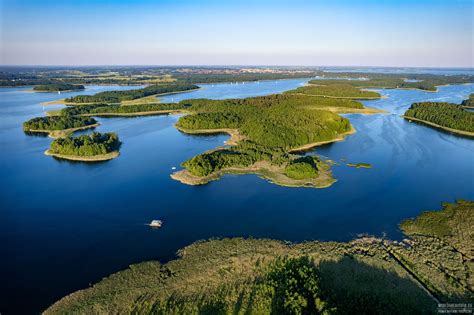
(264, 170)
(450, 130)
(234, 134)
(94, 158)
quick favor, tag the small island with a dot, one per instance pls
(58, 87)
(58, 126)
(359, 165)
(368, 275)
(469, 103)
(86, 148)
(450, 117)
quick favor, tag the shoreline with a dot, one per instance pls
(235, 135)
(264, 170)
(309, 146)
(95, 158)
(450, 130)
(63, 132)
(137, 114)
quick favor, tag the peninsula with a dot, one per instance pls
(367, 275)
(58, 126)
(446, 116)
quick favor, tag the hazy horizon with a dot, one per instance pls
(341, 33)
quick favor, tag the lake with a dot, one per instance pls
(65, 225)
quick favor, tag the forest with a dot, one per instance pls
(272, 125)
(58, 87)
(104, 109)
(86, 145)
(119, 96)
(261, 276)
(443, 114)
(336, 90)
(57, 123)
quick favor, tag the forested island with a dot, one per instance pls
(58, 87)
(120, 96)
(434, 264)
(326, 88)
(271, 129)
(86, 148)
(447, 116)
(57, 126)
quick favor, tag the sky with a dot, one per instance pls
(404, 33)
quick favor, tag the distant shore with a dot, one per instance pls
(94, 158)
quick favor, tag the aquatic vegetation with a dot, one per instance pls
(366, 275)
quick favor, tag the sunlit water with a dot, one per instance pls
(64, 225)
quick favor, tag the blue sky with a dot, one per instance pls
(227, 32)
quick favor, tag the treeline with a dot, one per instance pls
(57, 123)
(335, 90)
(101, 109)
(469, 102)
(58, 87)
(119, 96)
(86, 145)
(444, 114)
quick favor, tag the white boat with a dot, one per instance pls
(173, 168)
(156, 223)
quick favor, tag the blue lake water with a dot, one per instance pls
(65, 225)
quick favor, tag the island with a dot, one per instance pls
(368, 275)
(272, 130)
(326, 88)
(129, 95)
(58, 126)
(359, 165)
(86, 148)
(58, 87)
(450, 117)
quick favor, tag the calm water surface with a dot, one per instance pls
(65, 225)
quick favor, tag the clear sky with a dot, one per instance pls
(227, 32)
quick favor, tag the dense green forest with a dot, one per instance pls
(330, 89)
(303, 167)
(57, 123)
(58, 87)
(119, 96)
(100, 109)
(271, 125)
(443, 114)
(252, 276)
(86, 145)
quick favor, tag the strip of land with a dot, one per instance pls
(64, 132)
(451, 130)
(94, 158)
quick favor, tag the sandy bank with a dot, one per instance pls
(454, 131)
(95, 158)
